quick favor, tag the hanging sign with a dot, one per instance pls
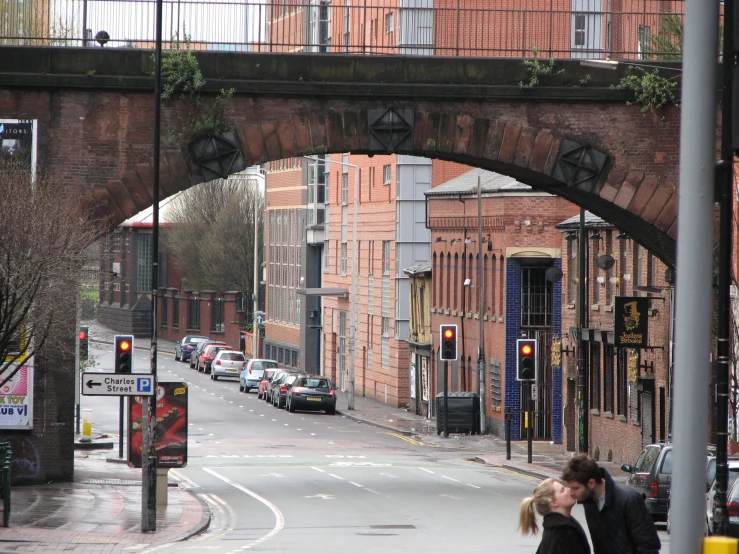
(631, 322)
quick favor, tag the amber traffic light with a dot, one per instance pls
(123, 355)
(448, 349)
(526, 359)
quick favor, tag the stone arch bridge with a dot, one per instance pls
(573, 136)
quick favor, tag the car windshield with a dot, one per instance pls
(256, 373)
(645, 462)
(263, 364)
(314, 383)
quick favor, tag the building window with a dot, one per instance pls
(389, 22)
(176, 313)
(572, 271)
(325, 256)
(343, 258)
(386, 175)
(595, 271)
(644, 39)
(345, 188)
(193, 314)
(537, 297)
(579, 30)
(342, 343)
(143, 264)
(371, 258)
(217, 315)
(636, 282)
(609, 272)
(608, 378)
(595, 375)
(165, 312)
(295, 359)
(386, 257)
(385, 326)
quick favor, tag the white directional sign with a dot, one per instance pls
(117, 384)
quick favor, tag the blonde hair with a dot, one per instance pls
(543, 495)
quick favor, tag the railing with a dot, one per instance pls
(5, 481)
(650, 29)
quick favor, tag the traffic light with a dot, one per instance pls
(123, 355)
(84, 336)
(526, 359)
(448, 350)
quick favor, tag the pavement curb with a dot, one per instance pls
(204, 520)
(511, 467)
(375, 424)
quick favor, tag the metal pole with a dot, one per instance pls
(582, 367)
(723, 343)
(120, 427)
(148, 461)
(77, 373)
(255, 285)
(445, 403)
(481, 312)
(695, 256)
(530, 423)
(353, 308)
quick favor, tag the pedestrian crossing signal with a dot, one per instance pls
(123, 355)
(526, 360)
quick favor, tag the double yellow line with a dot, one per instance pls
(410, 440)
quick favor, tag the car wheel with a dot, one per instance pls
(176, 358)
(247, 390)
(331, 411)
(241, 387)
(291, 407)
(213, 375)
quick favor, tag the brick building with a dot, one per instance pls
(520, 243)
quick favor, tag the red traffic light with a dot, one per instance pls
(83, 335)
(124, 346)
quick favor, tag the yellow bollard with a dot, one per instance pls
(86, 425)
(720, 545)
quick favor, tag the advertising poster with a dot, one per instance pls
(16, 396)
(171, 426)
(424, 379)
(413, 375)
(18, 140)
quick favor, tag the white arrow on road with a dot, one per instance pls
(322, 496)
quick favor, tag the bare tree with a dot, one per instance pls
(45, 232)
(212, 235)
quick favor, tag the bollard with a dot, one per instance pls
(86, 425)
(719, 545)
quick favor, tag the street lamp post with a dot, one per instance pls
(353, 302)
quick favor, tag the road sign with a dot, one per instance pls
(116, 384)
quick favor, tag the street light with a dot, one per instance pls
(353, 304)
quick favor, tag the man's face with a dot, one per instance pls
(580, 492)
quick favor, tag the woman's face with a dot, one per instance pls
(562, 496)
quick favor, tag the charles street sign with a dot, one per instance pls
(117, 384)
(631, 321)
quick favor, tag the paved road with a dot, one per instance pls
(308, 482)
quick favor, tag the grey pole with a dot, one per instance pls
(695, 259)
(255, 284)
(353, 307)
(481, 311)
(582, 361)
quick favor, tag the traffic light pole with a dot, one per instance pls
(446, 393)
(529, 422)
(582, 370)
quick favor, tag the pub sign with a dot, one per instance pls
(631, 322)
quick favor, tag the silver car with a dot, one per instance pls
(227, 363)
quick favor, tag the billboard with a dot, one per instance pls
(16, 396)
(18, 139)
(171, 426)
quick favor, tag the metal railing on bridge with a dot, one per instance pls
(650, 29)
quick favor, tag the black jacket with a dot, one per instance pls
(624, 526)
(562, 535)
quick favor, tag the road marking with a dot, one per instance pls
(389, 475)
(318, 469)
(356, 484)
(336, 476)
(322, 496)
(445, 477)
(427, 470)
(407, 439)
(313, 434)
(270, 475)
(279, 518)
(473, 486)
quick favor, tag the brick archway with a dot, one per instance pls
(95, 129)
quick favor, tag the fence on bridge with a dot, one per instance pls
(642, 29)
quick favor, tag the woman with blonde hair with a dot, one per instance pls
(562, 534)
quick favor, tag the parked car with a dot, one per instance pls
(261, 363)
(264, 383)
(276, 376)
(733, 464)
(205, 358)
(249, 378)
(651, 475)
(281, 388)
(201, 346)
(312, 392)
(227, 363)
(184, 347)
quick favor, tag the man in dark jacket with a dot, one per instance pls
(618, 520)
